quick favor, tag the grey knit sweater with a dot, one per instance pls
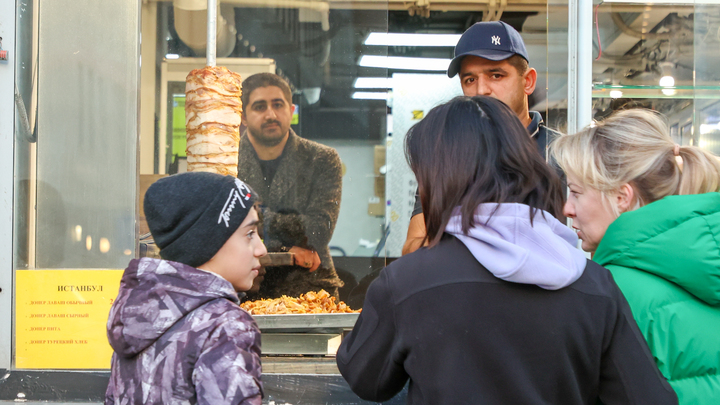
(300, 209)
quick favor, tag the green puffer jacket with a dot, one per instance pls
(665, 257)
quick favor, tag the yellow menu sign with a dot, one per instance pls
(60, 318)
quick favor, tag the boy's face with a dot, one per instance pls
(238, 261)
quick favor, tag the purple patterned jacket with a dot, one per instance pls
(180, 338)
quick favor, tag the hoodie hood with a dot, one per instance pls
(512, 249)
(676, 238)
(154, 295)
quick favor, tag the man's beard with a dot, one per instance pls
(264, 140)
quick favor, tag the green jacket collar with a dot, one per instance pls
(676, 238)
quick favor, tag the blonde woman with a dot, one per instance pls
(650, 211)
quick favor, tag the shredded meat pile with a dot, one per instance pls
(311, 303)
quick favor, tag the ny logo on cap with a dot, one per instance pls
(495, 40)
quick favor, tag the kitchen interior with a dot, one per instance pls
(344, 69)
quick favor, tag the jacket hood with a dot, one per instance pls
(512, 249)
(676, 238)
(154, 295)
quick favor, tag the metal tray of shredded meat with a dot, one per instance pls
(306, 322)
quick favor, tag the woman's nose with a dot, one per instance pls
(569, 210)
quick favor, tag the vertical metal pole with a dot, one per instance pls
(580, 15)
(579, 64)
(7, 147)
(211, 32)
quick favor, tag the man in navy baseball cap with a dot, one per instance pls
(494, 41)
(491, 60)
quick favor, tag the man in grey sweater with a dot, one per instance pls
(299, 182)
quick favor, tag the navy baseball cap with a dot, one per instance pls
(493, 40)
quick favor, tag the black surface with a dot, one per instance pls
(82, 386)
(358, 273)
(57, 386)
(315, 389)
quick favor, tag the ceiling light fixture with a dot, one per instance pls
(404, 63)
(708, 128)
(373, 83)
(616, 94)
(172, 56)
(398, 39)
(369, 95)
(667, 80)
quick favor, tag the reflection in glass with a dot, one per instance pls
(661, 58)
(75, 160)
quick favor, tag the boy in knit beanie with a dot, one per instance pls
(178, 333)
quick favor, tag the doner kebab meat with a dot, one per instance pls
(320, 302)
(212, 120)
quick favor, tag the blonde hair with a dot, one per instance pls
(634, 147)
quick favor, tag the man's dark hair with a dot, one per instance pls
(519, 63)
(471, 151)
(264, 80)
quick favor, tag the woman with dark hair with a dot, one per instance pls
(500, 308)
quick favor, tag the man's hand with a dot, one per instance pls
(415, 234)
(306, 258)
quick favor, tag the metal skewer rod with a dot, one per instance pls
(212, 32)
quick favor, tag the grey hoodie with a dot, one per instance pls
(512, 249)
(180, 337)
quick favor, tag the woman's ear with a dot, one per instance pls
(625, 198)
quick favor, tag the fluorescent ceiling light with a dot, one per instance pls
(667, 81)
(369, 95)
(397, 39)
(172, 56)
(679, 2)
(616, 94)
(373, 83)
(400, 62)
(708, 128)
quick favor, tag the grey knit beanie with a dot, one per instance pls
(191, 215)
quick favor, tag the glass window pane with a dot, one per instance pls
(318, 52)
(656, 57)
(705, 41)
(76, 157)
